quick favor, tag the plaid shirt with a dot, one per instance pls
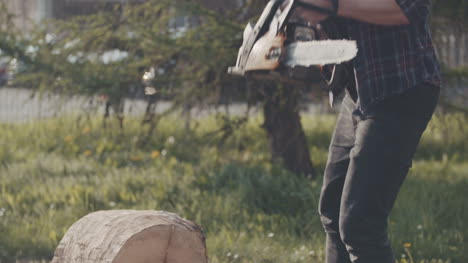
(393, 59)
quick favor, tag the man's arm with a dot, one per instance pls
(381, 12)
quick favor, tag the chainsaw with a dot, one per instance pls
(290, 50)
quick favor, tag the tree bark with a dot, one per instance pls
(288, 142)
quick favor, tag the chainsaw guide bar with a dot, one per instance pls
(319, 53)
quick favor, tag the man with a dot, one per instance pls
(396, 88)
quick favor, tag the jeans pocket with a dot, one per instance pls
(344, 134)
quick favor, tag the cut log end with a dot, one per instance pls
(123, 236)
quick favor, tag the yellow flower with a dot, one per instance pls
(87, 153)
(86, 130)
(68, 138)
(407, 245)
(155, 154)
(53, 235)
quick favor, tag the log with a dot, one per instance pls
(123, 236)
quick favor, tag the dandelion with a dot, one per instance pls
(52, 206)
(53, 235)
(155, 154)
(303, 248)
(236, 256)
(419, 227)
(407, 250)
(112, 204)
(68, 138)
(171, 140)
(164, 152)
(271, 235)
(311, 253)
(87, 153)
(403, 256)
(228, 254)
(2, 212)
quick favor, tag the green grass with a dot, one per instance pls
(54, 172)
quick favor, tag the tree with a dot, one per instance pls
(73, 57)
(288, 142)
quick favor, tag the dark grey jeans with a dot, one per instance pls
(369, 158)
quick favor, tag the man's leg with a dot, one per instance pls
(386, 140)
(334, 178)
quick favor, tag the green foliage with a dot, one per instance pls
(453, 9)
(66, 56)
(54, 172)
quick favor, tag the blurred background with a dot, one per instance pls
(55, 32)
(127, 104)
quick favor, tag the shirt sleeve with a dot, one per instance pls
(417, 11)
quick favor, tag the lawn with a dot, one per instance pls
(53, 172)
